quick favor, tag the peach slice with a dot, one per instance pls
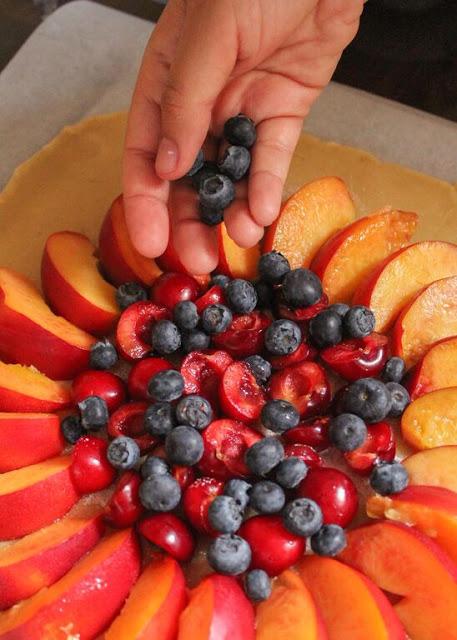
(83, 602)
(434, 467)
(33, 497)
(431, 420)
(289, 613)
(154, 605)
(25, 389)
(73, 285)
(436, 370)
(411, 566)
(308, 219)
(118, 256)
(430, 317)
(395, 282)
(346, 259)
(31, 334)
(235, 261)
(351, 605)
(41, 558)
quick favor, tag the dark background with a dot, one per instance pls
(405, 50)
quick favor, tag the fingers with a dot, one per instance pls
(240, 225)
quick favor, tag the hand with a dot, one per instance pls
(206, 61)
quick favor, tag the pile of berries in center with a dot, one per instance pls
(230, 405)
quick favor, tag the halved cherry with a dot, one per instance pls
(241, 397)
(214, 295)
(358, 358)
(124, 507)
(305, 385)
(312, 432)
(304, 352)
(309, 456)
(196, 501)
(244, 337)
(171, 288)
(301, 315)
(225, 444)
(129, 421)
(140, 375)
(202, 372)
(183, 475)
(379, 446)
(170, 533)
(90, 468)
(106, 385)
(133, 333)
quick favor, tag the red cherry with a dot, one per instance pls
(171, 288)
(104, 384)
(312, 432)
(310, 457)
(124, 507)
(140, 375)
(273, 547)
(358, 358)
(202, 372)
(90, 469)
(183, 475)
(170, 533)
(133, 333)
(304, 352)
(196, 501)
(302, 315)
(379, 446)
(241, 397)
(244, 337)
(128, 420)
(333, 491)
(214, 295)
(305, 385)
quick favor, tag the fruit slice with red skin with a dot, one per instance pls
(312, 432)
(128, 420)
(170, 533)
(235, 261)
(347, 258)
(304, 314)
(309, 456)
(134, 329)
(154, 605)
(359, 357)
(124, 507)
(184, 476)
(304, 352)
(31, 334)
(140, 375)
(434, 467)
(90, 469)
(99, 583)
(379, 446)
(23, 389)
(436, 370)
(289, 613)
(244, 337)
(106, 385)
(403, 561)
(305, 385)
(28, 438)
(241, 397)
(25, 503)
(196, 501)
(225, 444)
(119, 258)
(218, 609)
(171, 288)
(308, 218)
(43, 557)
(72, 283)
(430, 317)
(395, 282)
(214, 295)
(351, 605)
(202, 372)
(431, 420)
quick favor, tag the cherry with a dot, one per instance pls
(241, 397)
(128, 420)
(90, 469)
(202, 373)
(301, 315)
(171, 288)
(170, 533)
(214, 295)
(312, 432)
(140, 375)
(184, 475)
(333, 491)
(305, 385)
(358, 358)
(273, 547)
(304, 352)
(124, 507)
(244, 337)
(310, 457)
(379, 446)
(133, 333)
(196, 501)
(104, 384)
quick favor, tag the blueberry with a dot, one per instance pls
(303, 517)
(265, 297)
(72, 429)
(159, 419)
(209, 169)
(267, 497)
(282, 337)
(273, 266)
(279, 416)
(194, 411)
(216, 318)
(389, 477)
(198, 164)
(394, 370)
(166, 386)
(241, 296)
(260, 368)
(94, 413)
(210, 217)
(229, 554)
(239, 491)
(130, 292)
(235, 162)
(330, 540)
(166, 337)
(160, 492)
(220, 280)
(359, 322)
(153, 466)
(347, 432)
(301, 288)
(264, 455)
(290, 472)
(400, 399)
(184, 446)
(326, 329)
(185, 315)
(340, 308)
(195, 341)
(123, 453)
(240, 130)
(103, 355)
(216, 192)
(257, 585)
(367, 398)
(224, 514)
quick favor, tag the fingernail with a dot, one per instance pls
(167, 157)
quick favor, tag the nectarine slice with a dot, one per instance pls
(73, 285)
(351, 605)
(395, 282)
(83, 602)
(235, 261)
(308, 219)
(346, 259)
(434, 467)
(26, 389)
(436, 370)
(431, 420)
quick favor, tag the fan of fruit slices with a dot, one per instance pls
(198, 474)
